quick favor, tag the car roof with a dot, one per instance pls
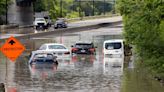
(83, 42)
(53, 44)
(114, 40)
(39, 18)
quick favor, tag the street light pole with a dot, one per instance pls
(61, 8)
(79, 9)
(6, 11)
(104, 7)
(114, 6)
(93, 12)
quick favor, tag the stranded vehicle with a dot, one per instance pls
(83, 48)
(60, 23)
(57, 49)
(40, 23)
(113, 48)
(42, 57)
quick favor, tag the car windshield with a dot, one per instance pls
(116, 45)
(60, 21)
(40, 55)
(83, 46)
(56, 47)
(39, 19)
(43, 57)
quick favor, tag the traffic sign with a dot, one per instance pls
(12, 48)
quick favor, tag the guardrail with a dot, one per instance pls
(92, 17)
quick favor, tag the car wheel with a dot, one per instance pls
(36, 27)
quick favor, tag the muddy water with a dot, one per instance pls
(81, 73)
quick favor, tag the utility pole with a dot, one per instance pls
(114, 3)
(61, 8)
(104, 6)
(73, 6)
(79, 8)
(93, 12)
(6, 12)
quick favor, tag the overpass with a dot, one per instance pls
(20, 12)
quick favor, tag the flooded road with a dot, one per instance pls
(79, 73)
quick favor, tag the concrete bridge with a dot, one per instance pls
(21, 12)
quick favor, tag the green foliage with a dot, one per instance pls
(39, 6)
(73, 15)
(144, 28)
(2, 6)
(71, 8)
(3, 9)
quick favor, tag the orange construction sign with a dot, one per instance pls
(12, 48)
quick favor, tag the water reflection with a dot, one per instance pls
(113, 65)
(81, 61)
(43, 70)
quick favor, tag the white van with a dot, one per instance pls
(114, 47)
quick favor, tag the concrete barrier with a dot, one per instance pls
(2, 87)
(91, 17)
(11, 26)
(66, 30)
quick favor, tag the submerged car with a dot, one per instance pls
(43, 70)
(42, 57)
(60, 23)
(83, 48)
(114, 47)
(57, 49)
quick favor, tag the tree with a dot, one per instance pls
(3, 7)
(70, 8)
(39, 6)
(143, 27)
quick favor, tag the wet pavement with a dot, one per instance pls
(79, 73)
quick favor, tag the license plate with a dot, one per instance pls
(82, 50)
(59, 53)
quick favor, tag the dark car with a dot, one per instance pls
(60, 23)
(83, 48)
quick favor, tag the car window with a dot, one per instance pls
(83, 45)
(40, 20)
(43, 47)
(116, 45)
(39, 55)
(60, 21)
(56, 47)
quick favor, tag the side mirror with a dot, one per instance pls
(95, 46)
(72, 46)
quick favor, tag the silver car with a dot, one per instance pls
(60, 23)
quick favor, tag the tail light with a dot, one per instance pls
(67, 52)
(92, 49)
(74, 49)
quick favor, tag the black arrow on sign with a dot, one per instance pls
(11, 42)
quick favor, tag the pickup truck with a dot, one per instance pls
(40, 23)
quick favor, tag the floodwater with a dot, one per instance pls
(79, 73)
